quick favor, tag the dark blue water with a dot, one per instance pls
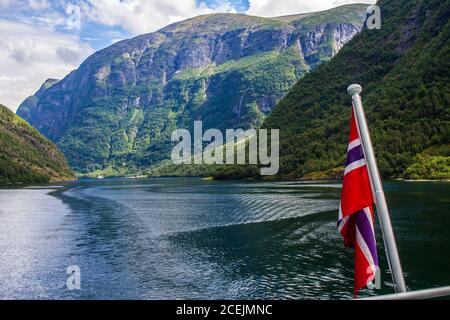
(194, 239)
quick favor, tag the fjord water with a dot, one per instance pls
(193, 239)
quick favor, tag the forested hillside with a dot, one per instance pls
(404, 69)
(26, 155)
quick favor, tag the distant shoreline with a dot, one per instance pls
(304, 180)
(424, 180)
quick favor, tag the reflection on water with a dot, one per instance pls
(194, 239)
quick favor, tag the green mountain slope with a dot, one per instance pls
(404, 69)
(25, 155)
(117, 111)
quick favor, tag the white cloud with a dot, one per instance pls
(142, 16)
(5, 3)
(30, 55)
(38, 4)
(273, 8)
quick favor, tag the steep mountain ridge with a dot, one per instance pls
(29, 105)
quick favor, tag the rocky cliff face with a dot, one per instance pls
(229, 70)
(28, 107)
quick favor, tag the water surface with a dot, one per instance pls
(193, 239)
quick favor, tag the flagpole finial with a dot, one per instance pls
(354, 89)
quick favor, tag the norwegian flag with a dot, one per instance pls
(355, 222)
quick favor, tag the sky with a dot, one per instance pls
(41, 39)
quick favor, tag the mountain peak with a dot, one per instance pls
(45, 86)
(229, 21)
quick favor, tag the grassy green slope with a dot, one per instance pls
(25, 155)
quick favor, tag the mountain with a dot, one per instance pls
(117, 111)
(25, 155)
(404, 69)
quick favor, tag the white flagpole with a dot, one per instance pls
(377, 188)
